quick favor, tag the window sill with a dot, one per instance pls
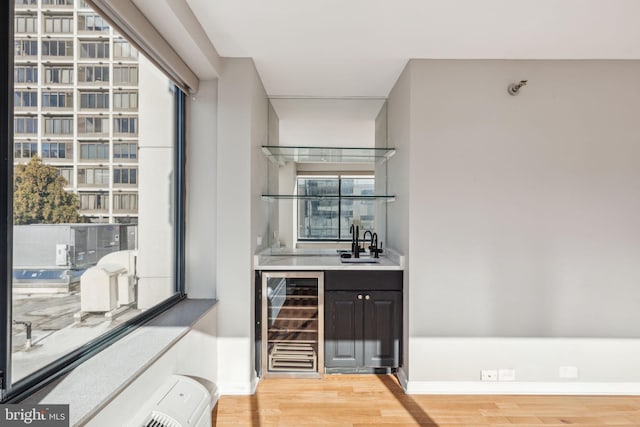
(93, 384)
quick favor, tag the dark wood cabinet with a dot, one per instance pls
(363, 327)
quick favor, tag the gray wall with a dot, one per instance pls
(519, 215)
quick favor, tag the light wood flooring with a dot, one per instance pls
(368, 400)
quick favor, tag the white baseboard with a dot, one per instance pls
(515, 387)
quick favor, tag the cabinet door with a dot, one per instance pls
(382, 329)
(343, 329)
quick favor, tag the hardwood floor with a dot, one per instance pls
(367, 400)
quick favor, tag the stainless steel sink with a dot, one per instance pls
(361, 260)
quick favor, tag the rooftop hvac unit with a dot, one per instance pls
(181, 402)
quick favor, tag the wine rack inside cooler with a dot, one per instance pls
(292, 323)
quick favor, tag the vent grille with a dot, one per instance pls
(161, 420)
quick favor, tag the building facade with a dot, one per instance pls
(77, 104)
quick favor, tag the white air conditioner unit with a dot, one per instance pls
(180, 402)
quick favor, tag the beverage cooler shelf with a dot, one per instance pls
(292, 323)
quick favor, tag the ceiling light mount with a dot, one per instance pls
(514, 88)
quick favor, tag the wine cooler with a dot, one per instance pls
(292, 324)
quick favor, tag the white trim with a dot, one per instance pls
(544, 388)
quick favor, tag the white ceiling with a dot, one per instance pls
(344, 48)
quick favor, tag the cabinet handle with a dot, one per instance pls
(359, 296)
(368, 297)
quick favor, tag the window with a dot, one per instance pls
(125, 202)
(125, 151)
(94, 151)
(25, 125)
(94, 49)
(25, 48)
(57, 150)
(57, 2)
(125, 175)
(58, 125)
(58, 24)
(93, 176)
(67, 174)
(26, 24)
(94, 201)
(134, 216)
(62, 74)
(93, 74)
(25, 150)
(327, 206)
(94, 100)
(92, 23)
(125, 100)
(124, 75)
(122, 49)
(26, 3)
(57, 99)
(25, 74)
(93, 125)
(125, 126)
(57, 48)
(25, 98)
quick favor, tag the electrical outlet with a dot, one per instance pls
(259, 240)
(568, 372)
(506, 374)
(489, 375)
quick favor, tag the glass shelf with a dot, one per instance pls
(283, 154)
(384, 197)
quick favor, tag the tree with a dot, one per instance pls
(39, 196)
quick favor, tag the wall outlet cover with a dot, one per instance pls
(489, 375)
(506, 374)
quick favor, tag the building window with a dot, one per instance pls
(57, 2)
(93, 74)
(125, 175)
(25, 48)
(125, 126)
(125, 151)
(57, 74)
(25, 150)
(58, 24)
(92, 23)
(25, 74)
(124, 75)
(125, 100)
(26, 24)
(94, 201)
(57, 48)
(94, 100)
(57, 150)
(93, 176)
(55, 99)
(125, 202)
(94, 49)
(94, 151)
(93, 125)
(58, 126)
(327, 206)
(25, 125)
(67, 174)
(25, 98)
(122, 49)
(26, 3)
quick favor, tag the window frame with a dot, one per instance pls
(12, 393)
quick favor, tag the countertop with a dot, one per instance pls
(321, 259)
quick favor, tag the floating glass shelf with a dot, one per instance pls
(383, 197)
(283, 154)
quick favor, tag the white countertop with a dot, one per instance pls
(275, 259)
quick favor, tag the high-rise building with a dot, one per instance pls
(77, 104)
